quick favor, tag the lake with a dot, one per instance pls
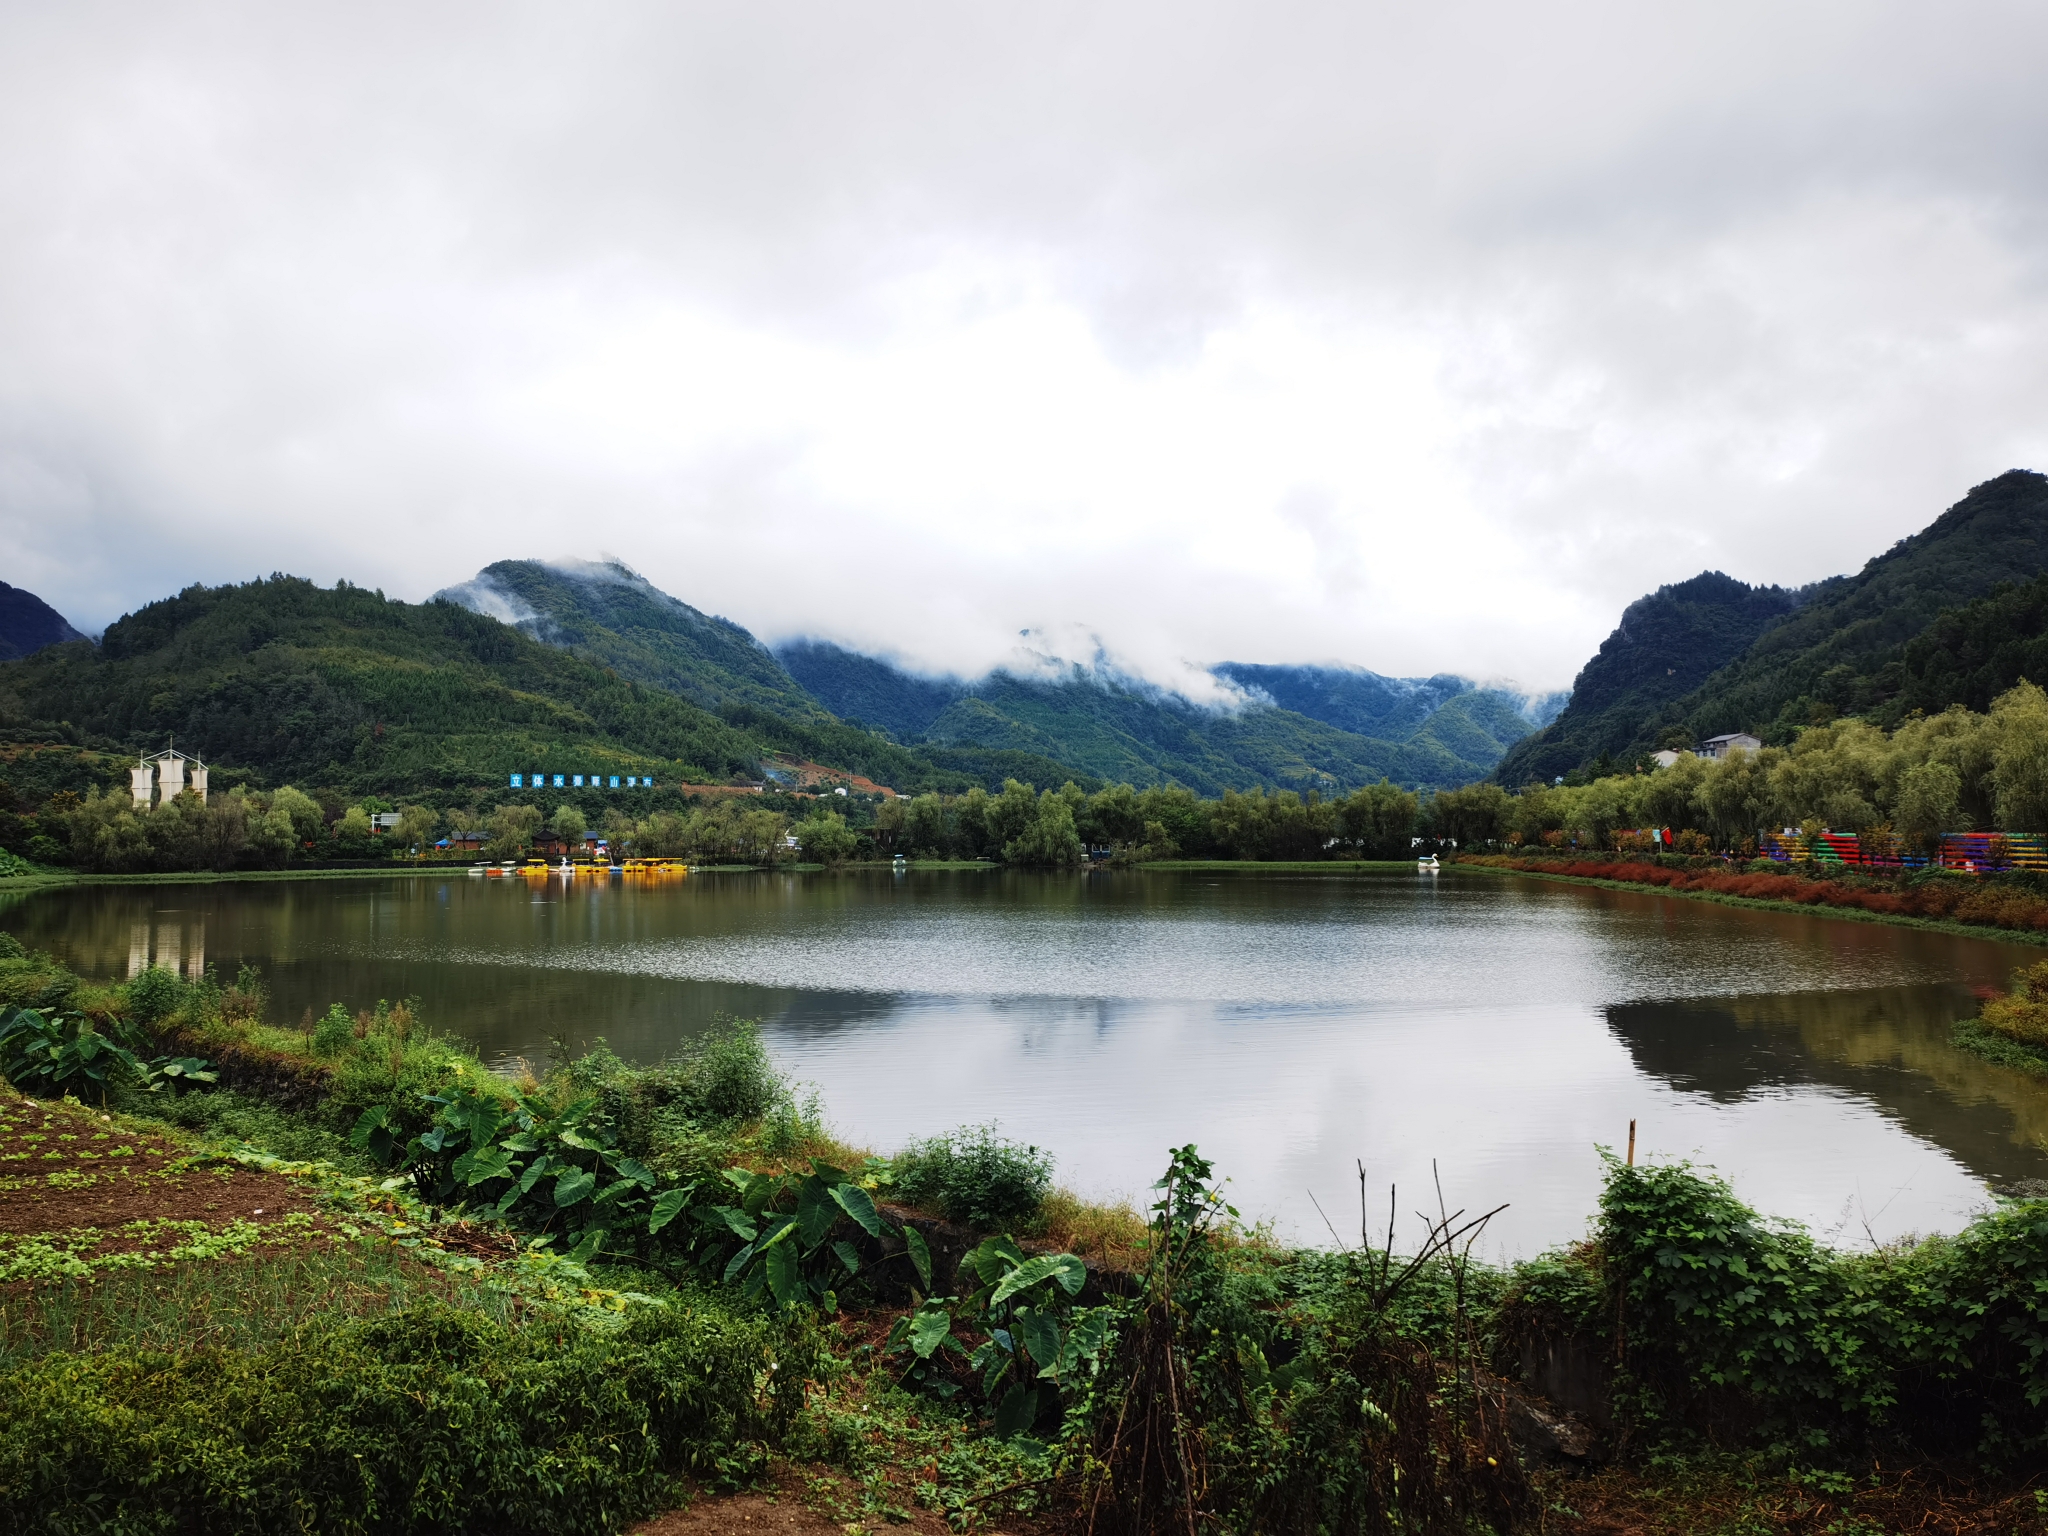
(1293, 1025)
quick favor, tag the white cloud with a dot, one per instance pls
(1422, 339)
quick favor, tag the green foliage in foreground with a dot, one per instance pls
(976, 1177)
(433, 1419)
(1941, 1346)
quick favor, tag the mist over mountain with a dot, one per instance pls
(1304, 727)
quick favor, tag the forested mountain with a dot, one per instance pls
(1844, 650)
(1439, 731)
(607, 613)
(1911, 630)
(27, 624)
(345, 687)
(1393, 708)
(1665, 646)
(1972, 654)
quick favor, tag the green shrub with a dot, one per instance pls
(976, 1177)
(334, 1033)
(10, 948)
(730, 1075)
(155, 995)
(433, 1419)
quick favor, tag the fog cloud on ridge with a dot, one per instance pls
(1423, 338)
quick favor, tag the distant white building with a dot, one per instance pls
(1734, 741)
(1666, 758)
(169, 774)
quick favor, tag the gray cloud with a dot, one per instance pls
(1420, 337)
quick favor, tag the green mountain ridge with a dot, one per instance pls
(1450, 732)
(1919, 627)
(344, 688)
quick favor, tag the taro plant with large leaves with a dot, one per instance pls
(794, 1235)
(550, 1170)
(1037, 1342)
(44, 1051)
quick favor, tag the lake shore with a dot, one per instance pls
(1815, 908)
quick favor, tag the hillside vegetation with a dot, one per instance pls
(1306, 728)
(1711, 655)
(342, 686)
(1666, 645)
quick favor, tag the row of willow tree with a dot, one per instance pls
(1956, 771)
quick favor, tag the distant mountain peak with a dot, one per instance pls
(27, 624)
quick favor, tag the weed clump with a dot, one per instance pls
(976, 1177)
(2021, 1014)
(431, 1419)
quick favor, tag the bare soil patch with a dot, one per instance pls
(68, 1169)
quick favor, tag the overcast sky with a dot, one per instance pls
(1422, 337)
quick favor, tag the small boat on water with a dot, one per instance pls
(1428, 866)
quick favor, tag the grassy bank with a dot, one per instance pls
(358, 1282)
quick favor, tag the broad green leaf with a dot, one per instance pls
(534, 1171)
(573, 1186)
(827, 1172)
(1069, 1271)
(668, 1205)
(521, 1143)
(486, 1163)
(638, 1172)
(737, 1221)
(738, 1262)
(920, 1255)
(785, 1274)
(740, 1178)
(1017, 1410)
(815, 1210)
(848, 1255)
(930, 1328)
(860, 1205)
(1039, 1335)
(994, 1257)
(587, 1249)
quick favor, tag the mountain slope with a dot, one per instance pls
(1972, 654)
(27, 624)
(345, 687)
(1665, 646)
(868, 689)
(610, 614)
(1449, 732)
(1844, 649)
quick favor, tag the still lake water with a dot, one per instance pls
(1292, 1025)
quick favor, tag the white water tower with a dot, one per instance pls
(168, 773)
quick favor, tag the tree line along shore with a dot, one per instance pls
(1901, 788)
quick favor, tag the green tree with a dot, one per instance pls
(2019, 761)
(1930, 796)
(1380, 818)
(511, 830)
(1049, 838)
(568, 824)
(825, 838)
